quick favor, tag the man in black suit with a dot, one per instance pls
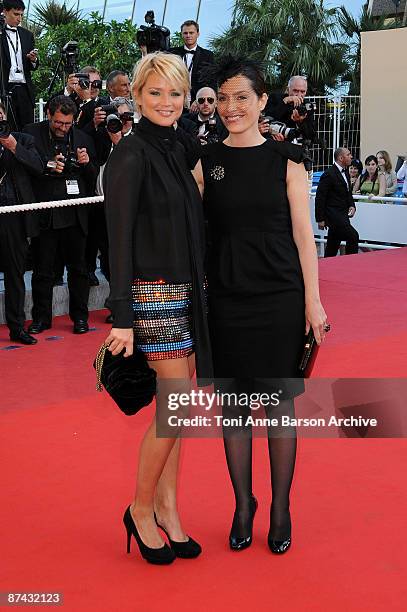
(194, 56)
(70, 172)
(18, 159)
(334, 205)
(19, 59)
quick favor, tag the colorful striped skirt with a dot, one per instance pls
(163, 319)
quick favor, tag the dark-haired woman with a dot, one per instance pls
(355, 170)
(370, 183)
(263, 283)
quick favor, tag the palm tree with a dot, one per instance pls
(290, 37)
(52, 13)
(353, 28)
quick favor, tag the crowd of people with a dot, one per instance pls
(65, 155)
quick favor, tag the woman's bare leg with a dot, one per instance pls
(166, 492)
(154, 454)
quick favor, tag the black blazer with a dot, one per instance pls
(48, 187)
(202, 58)
(27, 45)
(220, 128)
(333, 199)
(20, 165)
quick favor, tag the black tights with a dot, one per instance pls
(282, 445)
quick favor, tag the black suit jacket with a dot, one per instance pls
(220, 128)
(21, 165)
(27, 45)
(333, 199)
(202, 58)
(53, 187)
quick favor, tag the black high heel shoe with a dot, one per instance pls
(158, 556)
(237, 542)
(279, 547)
(184, 550)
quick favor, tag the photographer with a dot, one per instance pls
(18, 158)
(84, 88)
(113, 127)
(209, 126)
(20, 58)
(118, 85)
(291, 110)
(70, 172)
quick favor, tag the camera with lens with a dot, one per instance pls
(211, 135)
(152, 36)
(71, 164)
(304, 108)
(278, 127)
(5, 129)
(84, 81)
(70, 56)
(115, 122)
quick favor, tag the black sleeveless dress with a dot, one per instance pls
(256, 290)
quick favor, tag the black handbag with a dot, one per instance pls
(310, 353)
(130, 381)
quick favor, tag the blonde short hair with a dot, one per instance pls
(166, 65)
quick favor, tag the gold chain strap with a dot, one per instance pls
(99, 365)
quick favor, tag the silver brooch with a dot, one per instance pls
(218, 173)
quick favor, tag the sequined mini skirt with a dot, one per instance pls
(163, 319)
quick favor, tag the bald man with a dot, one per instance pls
(284, 107)
(206, 100)
(334, 205)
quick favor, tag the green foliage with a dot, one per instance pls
(52, 13)
(290, 37)
(107, 46)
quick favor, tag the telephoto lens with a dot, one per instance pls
(113, 124)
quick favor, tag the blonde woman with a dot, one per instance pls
(386, 169)
(155, 229)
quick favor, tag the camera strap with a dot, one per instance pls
(15, 48)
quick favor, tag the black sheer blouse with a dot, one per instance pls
(155, 224)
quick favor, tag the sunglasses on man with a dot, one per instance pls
(209, 99)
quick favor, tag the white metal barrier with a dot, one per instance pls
(380, 226)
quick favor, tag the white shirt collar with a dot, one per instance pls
(193, 48)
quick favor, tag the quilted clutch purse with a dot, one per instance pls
(130, 381)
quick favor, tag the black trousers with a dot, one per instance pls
(339, 232)
(13, 253)
(97, 241)
(22, 106)
(71, 241)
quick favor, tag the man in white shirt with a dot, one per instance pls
(19, 60)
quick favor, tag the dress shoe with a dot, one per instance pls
(279, 547)
(93, 279)
(157, 556)
(23, 337)
(37, 327)
(237, 542)
(184, 550)
(109, 319)
(80, 326)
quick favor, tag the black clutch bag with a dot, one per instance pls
(130, 381)
(310, 353)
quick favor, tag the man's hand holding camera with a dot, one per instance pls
(82, 156)
(9, 143)
(99, 116)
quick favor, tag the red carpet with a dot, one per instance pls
(69, 458)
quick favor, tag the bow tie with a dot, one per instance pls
(11, 29)
(191, 51)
